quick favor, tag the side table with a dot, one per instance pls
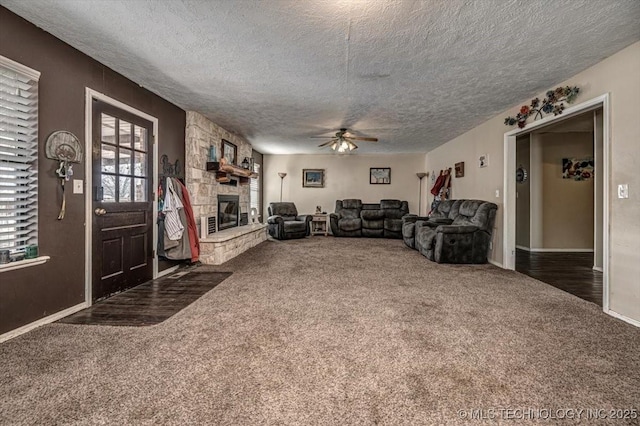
(319, 224)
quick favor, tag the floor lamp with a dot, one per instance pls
(420, 175)
(282, 175)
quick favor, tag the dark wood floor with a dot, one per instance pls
(571, 272)
(151, 302)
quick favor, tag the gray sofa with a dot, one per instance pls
(458, 231)
(353, 218)
(285, 223)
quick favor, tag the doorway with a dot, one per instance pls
(120, 198)
(555, 206)
(589, 254)
(556, 195)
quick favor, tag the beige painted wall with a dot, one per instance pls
(567, 205)
(346, 176)
(618, 76)
(536, 184)
(523, 192)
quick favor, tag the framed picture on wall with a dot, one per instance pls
(229, 151)
(379, 175)
(483, 160)
(313, 178)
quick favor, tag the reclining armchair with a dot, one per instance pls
(346, 221)
(443, 214)
(394, 211)
(465, 240)
(284, 223)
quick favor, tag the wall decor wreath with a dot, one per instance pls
(552, 103)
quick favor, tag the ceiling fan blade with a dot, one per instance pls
(328, 143)
(361, 138)
(321, 137)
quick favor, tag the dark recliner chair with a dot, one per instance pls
(465, 240)
(443, 214)
(394, 211)
(346, 221)
(284, 223)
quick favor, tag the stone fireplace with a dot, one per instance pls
(222, 207)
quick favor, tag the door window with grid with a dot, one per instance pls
(124, 150)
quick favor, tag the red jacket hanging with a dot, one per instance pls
(194, 242)
(438, 185)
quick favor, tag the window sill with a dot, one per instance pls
(26, 263)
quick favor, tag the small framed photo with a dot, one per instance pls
(229, 151)
(459, 167)
(379, 175)
(483, 160)
(313, 178)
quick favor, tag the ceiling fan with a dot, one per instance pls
(343, 141)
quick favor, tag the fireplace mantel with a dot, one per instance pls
(225, 171)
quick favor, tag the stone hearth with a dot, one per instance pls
(224, 245)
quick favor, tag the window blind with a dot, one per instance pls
(18, 155)
(254, 190)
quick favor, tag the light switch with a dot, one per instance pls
(623, 191)
(497, 193)
(78, 186)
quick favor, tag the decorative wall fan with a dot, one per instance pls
(342, 141)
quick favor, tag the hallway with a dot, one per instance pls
(571, 272)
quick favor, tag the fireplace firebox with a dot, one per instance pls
(228, 211)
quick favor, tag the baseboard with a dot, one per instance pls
(42, 321)
(598, 268)
(494, 263)
(623, 318)
(562, 250)
(167, 271)
(523, 248)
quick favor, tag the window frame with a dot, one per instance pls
(255, 190)
(25, 217)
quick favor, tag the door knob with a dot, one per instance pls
(100, 212)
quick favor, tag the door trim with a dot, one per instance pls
(90, 95)
(509, 188)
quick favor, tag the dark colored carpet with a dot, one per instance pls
(333, 331)
(150, 303)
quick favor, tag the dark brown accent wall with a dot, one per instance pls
(29, 294)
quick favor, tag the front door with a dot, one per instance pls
(122, 200)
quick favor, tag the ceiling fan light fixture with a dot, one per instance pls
(343, 141)
(344, 145)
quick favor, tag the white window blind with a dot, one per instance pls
(254, 189)
(18, 155)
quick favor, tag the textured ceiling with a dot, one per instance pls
(415, 74)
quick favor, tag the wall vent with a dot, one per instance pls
(207, 226)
